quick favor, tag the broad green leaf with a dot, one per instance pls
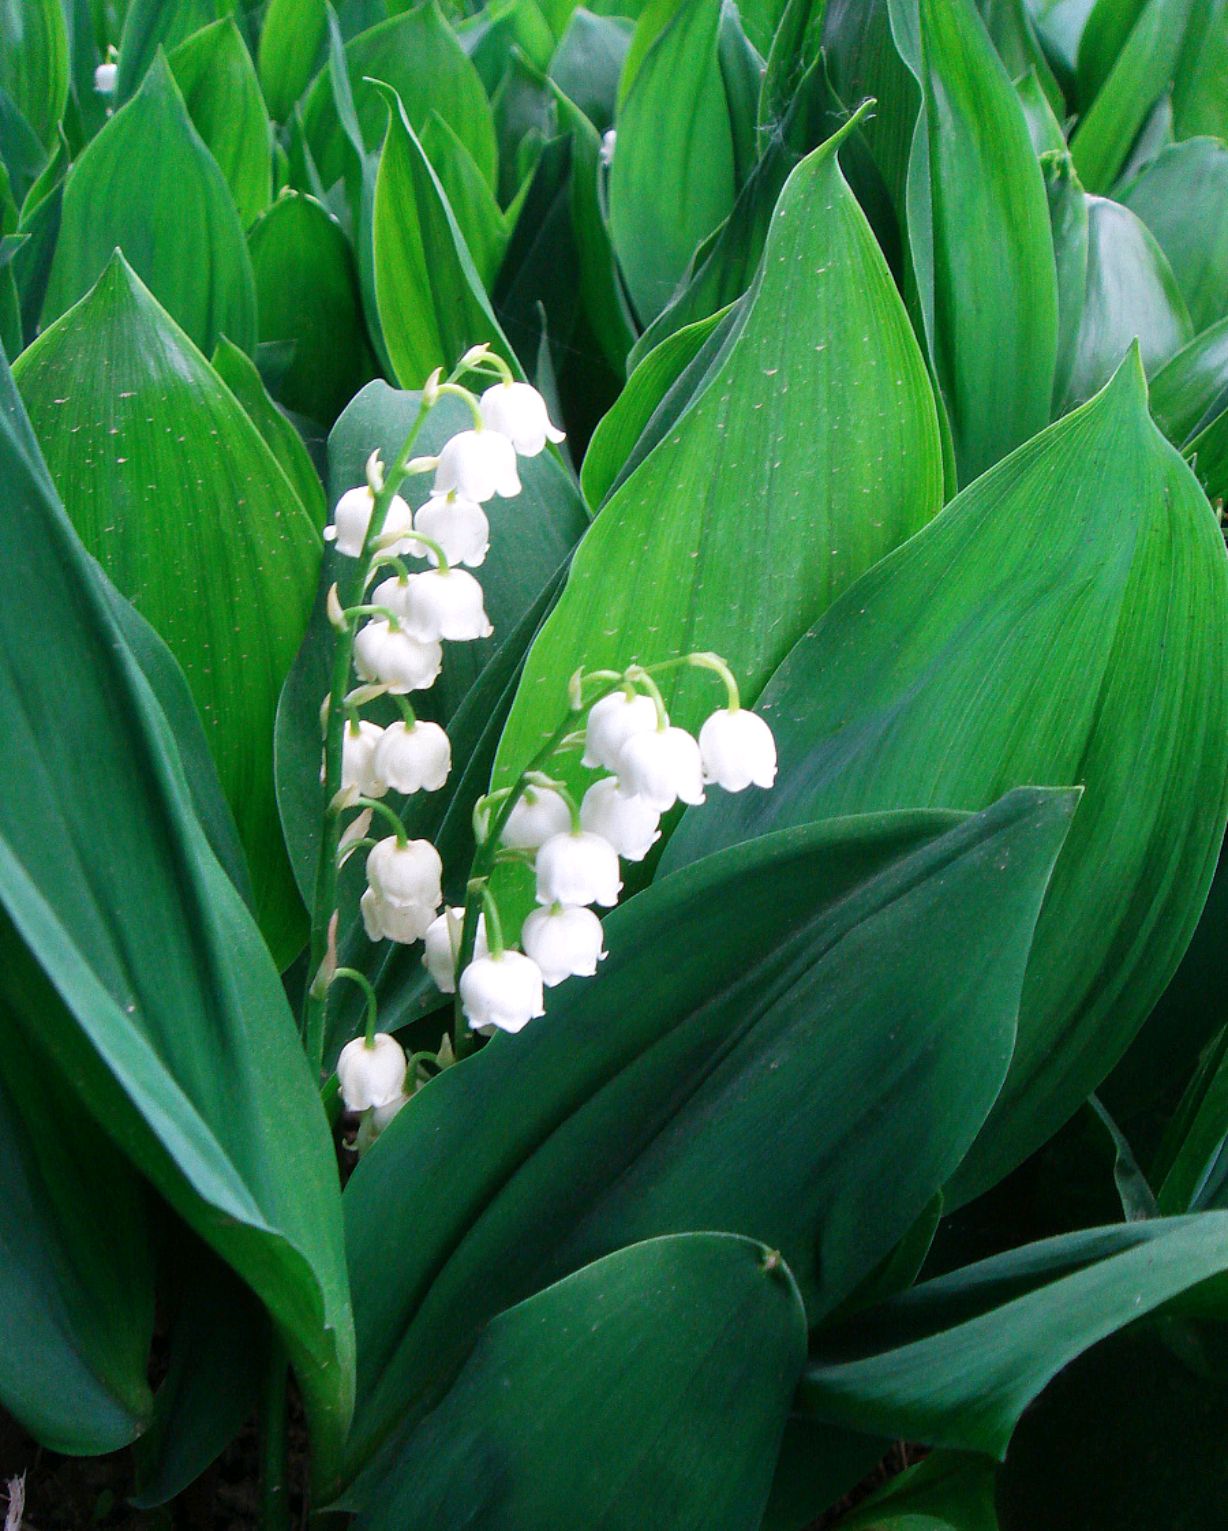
(146, 976)
(494, 36)
(1208, 453)
(191, 517)
(587, 63)
(1199, 102)
(34, 62)
(242, 377)
(1064, 619)
(1059, 26)
(307, 286)
(432, 305)
(478, 215)
(955, 1361)
(40, 225)
(1191, 389)
(537, 295)
(1179, 196)
(75, 1262)
(1046, 130)
(863, 60)
(657, 1377)
(1105, 33)
(292, 44)
(685, 554)
(978, 230)
(883, 989)
(946, 1492)
(149, 25)
(1013, 34)
(672, 179)
(21, 153)
(214, 71)
(417, 53)
(525, 119)
(149, 186)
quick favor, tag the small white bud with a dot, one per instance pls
(663, 767)
(611, 722)
(371, 1075)
(737, 749)
(631, 825)
(414, 757)
(444, 603)
(519, 412)
(538, 814)
(459, 527)
(503, 991)
(104, 79)
(477, 465)
(353, 515)
(358, 748)
(395, 659)
(443, 942)
(406, 874)
(563, 941)
(609, 140)
(578, 868)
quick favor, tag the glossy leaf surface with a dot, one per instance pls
(1179, 196)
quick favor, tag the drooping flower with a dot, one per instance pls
(371, 1074)
(414, 757)
(459, 527)
(578, 868)
(631, 825)
(564, 941)
(737, 749)
(611, 723)
(395, 658)
(402, 923)
(353, 515)
(477, 465)
(444, 603)
(406, 873)
(519, 412)
(443, 943)
(503, 990)
(358, 746)
(663, 767)
(537, 814)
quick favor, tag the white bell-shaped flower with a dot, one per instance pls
(477, 465)
(631, 825)
(395, 658)
(443, 943)
(663, 767)
(502, 991)
(104, 79)
(611, 722)
(358, 746)
(403, 874)
(459, 527)
(578, 868)
(403, 923)
(353, 515)
(564, 941)
(445, 603)
(414, 757)
(537, 815)
(519, 413)
(371, 1074)
(737, 749)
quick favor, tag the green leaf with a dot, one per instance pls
(191, 517)
(672, 179)
(659, 1376)
(1046, 130)
(432, 305)
(955, 1361)
(214, 71)
(1208, 452)
(477, 213)
(978, 229)
(418, 54)
(708, 1083)
(1199, 102)
(1179, 196)
(34, 62)
(1010, 27)
(150, 25)
(292, 43)
(863, 60)
(1105, 33)
(588, 61)
(307, 285)
(242, 377)
(1196, 1177)
(946, 1492)
(153, 988)
(1059, 26)
(75, 1262)
(1191, 389)
(148, 185)
(1064, 619)
(675, 562)
(1069, 218)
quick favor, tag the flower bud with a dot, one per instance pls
(414, 757)
(578, 868)
(376, 1120)
(443, 943)
(538, 814)
(563, 941)
(104, 79)
(396, 659)
(519, 412)
(737, 749)
(503, 991)
(631, 825)
(371, 1075)
(611, 722)
(353, 515)
(445, 603)
(609, 139)
(406, 874)
(477, 465)
(358, 748)
(459, 527)
(663, 767)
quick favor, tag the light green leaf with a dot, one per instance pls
(1010, 27)
(34, 62)
(478, 215)
(1065, 619)
(659, 1376)
(188, 512)
(1180, 196)
(149, 186)
(1199, 101)
(1046, 130)
(1105, 33)
(292, 43)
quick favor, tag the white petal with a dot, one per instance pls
(564, 942)
(578, 868)
(371, 1075)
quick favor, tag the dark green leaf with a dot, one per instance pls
(588, 61)
(946, 1492)
(1010, 27)
(1196, 1177)
(1180, 196)
(1191, 389)
(34, 62)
